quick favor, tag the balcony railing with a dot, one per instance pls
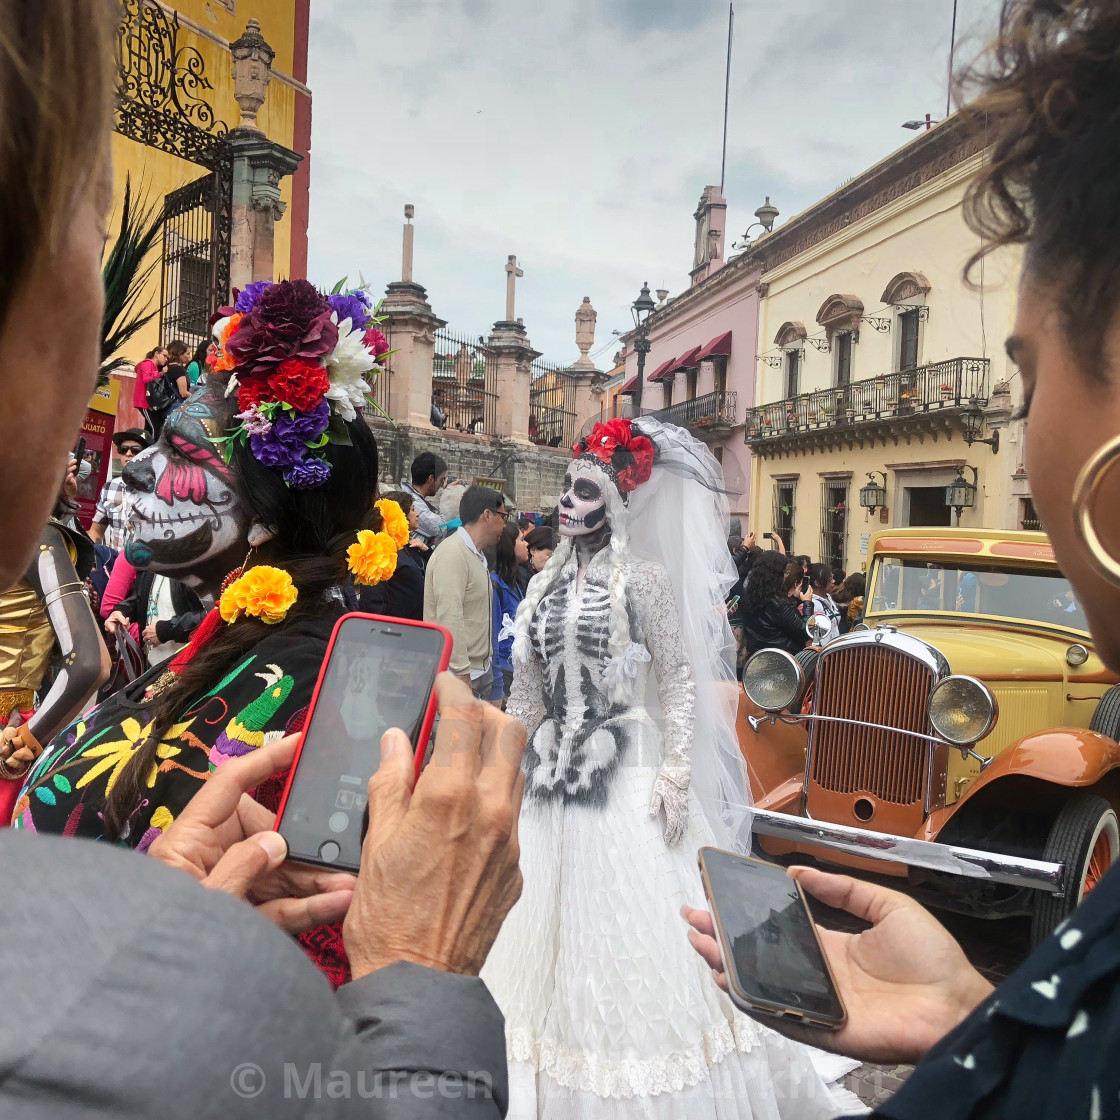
(713, 410)
(959, 383)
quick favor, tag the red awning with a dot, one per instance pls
(715, 348)
(630, 385)
(689, 360)
(664, 370)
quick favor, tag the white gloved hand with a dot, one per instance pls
(668, 795)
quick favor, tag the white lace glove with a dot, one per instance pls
(669, 794)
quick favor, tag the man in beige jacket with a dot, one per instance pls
(457, 587)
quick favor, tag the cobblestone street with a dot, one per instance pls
(995, 948)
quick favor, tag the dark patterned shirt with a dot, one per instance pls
(1046, 1044)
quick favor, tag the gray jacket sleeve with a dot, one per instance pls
(130, 991)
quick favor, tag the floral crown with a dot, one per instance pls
(622, 451)
(298, 362)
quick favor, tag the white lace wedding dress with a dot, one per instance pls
(609, 1011)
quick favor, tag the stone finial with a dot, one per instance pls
(586, 317)
(252, 71)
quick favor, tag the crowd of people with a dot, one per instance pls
(510, 943)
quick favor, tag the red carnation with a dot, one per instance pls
(376, 341)
(253, 391)
(300, 383)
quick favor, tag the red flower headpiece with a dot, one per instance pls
(625, 454)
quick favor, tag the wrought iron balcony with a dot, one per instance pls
(711, 411)
(931, 398)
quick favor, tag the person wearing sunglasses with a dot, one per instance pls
(110, 519)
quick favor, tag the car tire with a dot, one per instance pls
(807, 659)
(1085, 837)
(1106, 719)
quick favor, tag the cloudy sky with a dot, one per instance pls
(579, 134)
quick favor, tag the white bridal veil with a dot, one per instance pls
(680, 518)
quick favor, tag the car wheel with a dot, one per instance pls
(1085, 837)
(1106, 719)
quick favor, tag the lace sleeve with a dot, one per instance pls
(526, 694)
(656, 610)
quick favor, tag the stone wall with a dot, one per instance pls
(533, 475)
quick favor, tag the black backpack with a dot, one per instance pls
(162, 394)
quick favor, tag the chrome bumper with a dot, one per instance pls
(968, 862)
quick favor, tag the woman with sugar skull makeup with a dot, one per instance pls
(624, 676)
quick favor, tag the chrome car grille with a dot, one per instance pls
(874, 684)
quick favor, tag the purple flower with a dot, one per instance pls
(308, 473)
(275, 452)
(290, 320)
(352, 307)
(247, 300)
(302, 426)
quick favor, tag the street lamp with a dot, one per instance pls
(873, 496)
(972, 424)
(960, 494)
(765, 215)
(642, 308)
(927, 124)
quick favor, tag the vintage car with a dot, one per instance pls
(963, 736)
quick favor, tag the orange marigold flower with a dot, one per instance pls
(394, 521)
(373, 558)
(263, 592)
(225, 362)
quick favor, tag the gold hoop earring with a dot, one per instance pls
(1085, 493)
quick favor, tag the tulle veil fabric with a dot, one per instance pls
(680, 518)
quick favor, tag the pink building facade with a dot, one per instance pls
(700, 371)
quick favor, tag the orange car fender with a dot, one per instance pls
(1073, 757)
(774, 754)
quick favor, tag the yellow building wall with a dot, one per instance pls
(923, 231)
(155, 174)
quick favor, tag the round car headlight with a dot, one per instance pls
(962, 710)
(773, 679)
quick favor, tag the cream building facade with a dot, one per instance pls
(878, 364)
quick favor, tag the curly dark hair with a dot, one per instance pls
(1050, 103)
(766, 580)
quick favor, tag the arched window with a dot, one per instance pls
(790, 334)
(906, 287)
(840, 313)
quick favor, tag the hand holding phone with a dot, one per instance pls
(378, 673)
(905, 982)
(79, 453)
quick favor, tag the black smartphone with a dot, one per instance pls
(80, 451)
(805, 584)
(767, 536)
(378, 673)
(771, 951)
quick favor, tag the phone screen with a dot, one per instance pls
(380, 675)
(774, 954)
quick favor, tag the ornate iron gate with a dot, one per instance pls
(191, 254)
(161, 105)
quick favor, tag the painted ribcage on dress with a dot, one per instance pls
(573, 754)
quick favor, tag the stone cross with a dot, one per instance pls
(406, 261)
(585, 333)
(512, 272)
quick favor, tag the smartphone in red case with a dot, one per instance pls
(378, 673)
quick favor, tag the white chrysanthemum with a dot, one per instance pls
(347, 364)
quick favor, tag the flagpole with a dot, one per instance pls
(727, 93)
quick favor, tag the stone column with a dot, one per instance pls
(412, 324)
(259, 164)
(514, 356)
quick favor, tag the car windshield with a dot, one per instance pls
(979, 589)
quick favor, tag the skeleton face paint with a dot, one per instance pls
(186, 511)
(583, 505)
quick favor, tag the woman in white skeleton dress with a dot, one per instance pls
(624, 678)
